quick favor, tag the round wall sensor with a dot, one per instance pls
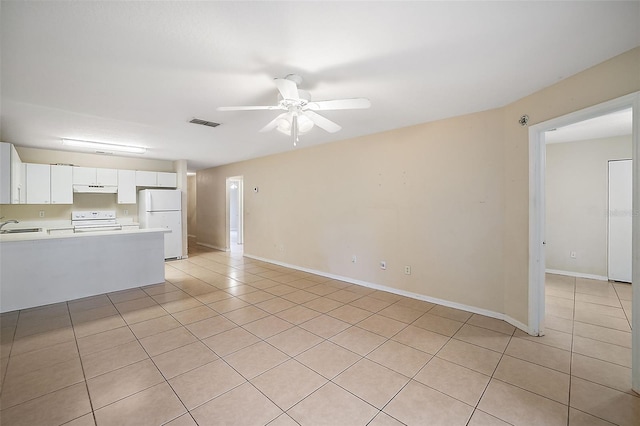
(524, 120)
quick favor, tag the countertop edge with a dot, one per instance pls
(44, 235)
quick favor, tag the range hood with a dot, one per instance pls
(95, 189)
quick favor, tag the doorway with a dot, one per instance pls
(537, 236)
(235, 214)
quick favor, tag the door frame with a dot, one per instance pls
(609, 210)
(537, 154)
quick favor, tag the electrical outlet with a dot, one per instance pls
(573, 254)
(407, 269)
(383, 264)
(126, 212)
(354, 259)
(41, 213)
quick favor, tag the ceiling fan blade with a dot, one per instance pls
(273, 123)
(248, 108)
(354, 103)
(323, 123)
(287, 88)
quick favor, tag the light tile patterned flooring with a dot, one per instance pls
(229, 340)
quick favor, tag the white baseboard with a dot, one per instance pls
(576, 274)
(447, 303)
(211, 246)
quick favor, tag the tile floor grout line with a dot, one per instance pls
(491, 377)
(434, 356)
(620, 301)
(150, 358)
(602, 326)
(84, 374)
(573, 322)
(13, 340)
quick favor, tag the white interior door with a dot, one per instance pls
(620, 224)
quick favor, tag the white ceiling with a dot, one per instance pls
(137, 72)
(617, 123)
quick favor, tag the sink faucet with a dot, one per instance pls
(7, 221)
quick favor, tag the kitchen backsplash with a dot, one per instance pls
(63, 212)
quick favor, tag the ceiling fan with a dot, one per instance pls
(300, 115)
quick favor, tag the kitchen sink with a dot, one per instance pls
(20, 230)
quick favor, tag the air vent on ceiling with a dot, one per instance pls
(204, 122)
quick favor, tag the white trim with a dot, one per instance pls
(537, 155)
(399, 292)
(211, 246)
(635, 250)
(577, 274)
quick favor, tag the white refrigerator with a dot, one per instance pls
(162, 208)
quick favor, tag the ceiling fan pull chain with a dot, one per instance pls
(294, 129)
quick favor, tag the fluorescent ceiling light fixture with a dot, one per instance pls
(99, 146)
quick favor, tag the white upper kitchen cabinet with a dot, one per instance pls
(107, 177)
(144, 178)
(94, 176)
(126, 187)
(167, 180)
(5, 173)
(38, 183)
(84, 175)
(156, 179)
(61, 185)
(11, 175)
(18, 191)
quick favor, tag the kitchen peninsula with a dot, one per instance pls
(41, 268)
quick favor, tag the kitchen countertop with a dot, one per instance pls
(62, 225)
(45, 235)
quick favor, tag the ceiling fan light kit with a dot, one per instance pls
(300, 116)
(285, 124)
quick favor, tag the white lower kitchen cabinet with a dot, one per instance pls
(38, 183)
(40, 268)
(61, 185)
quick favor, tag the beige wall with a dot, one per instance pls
(427, 196)
(23, 212)
(448, 198)
(191, 206)
(81, 201)
(576, 203)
